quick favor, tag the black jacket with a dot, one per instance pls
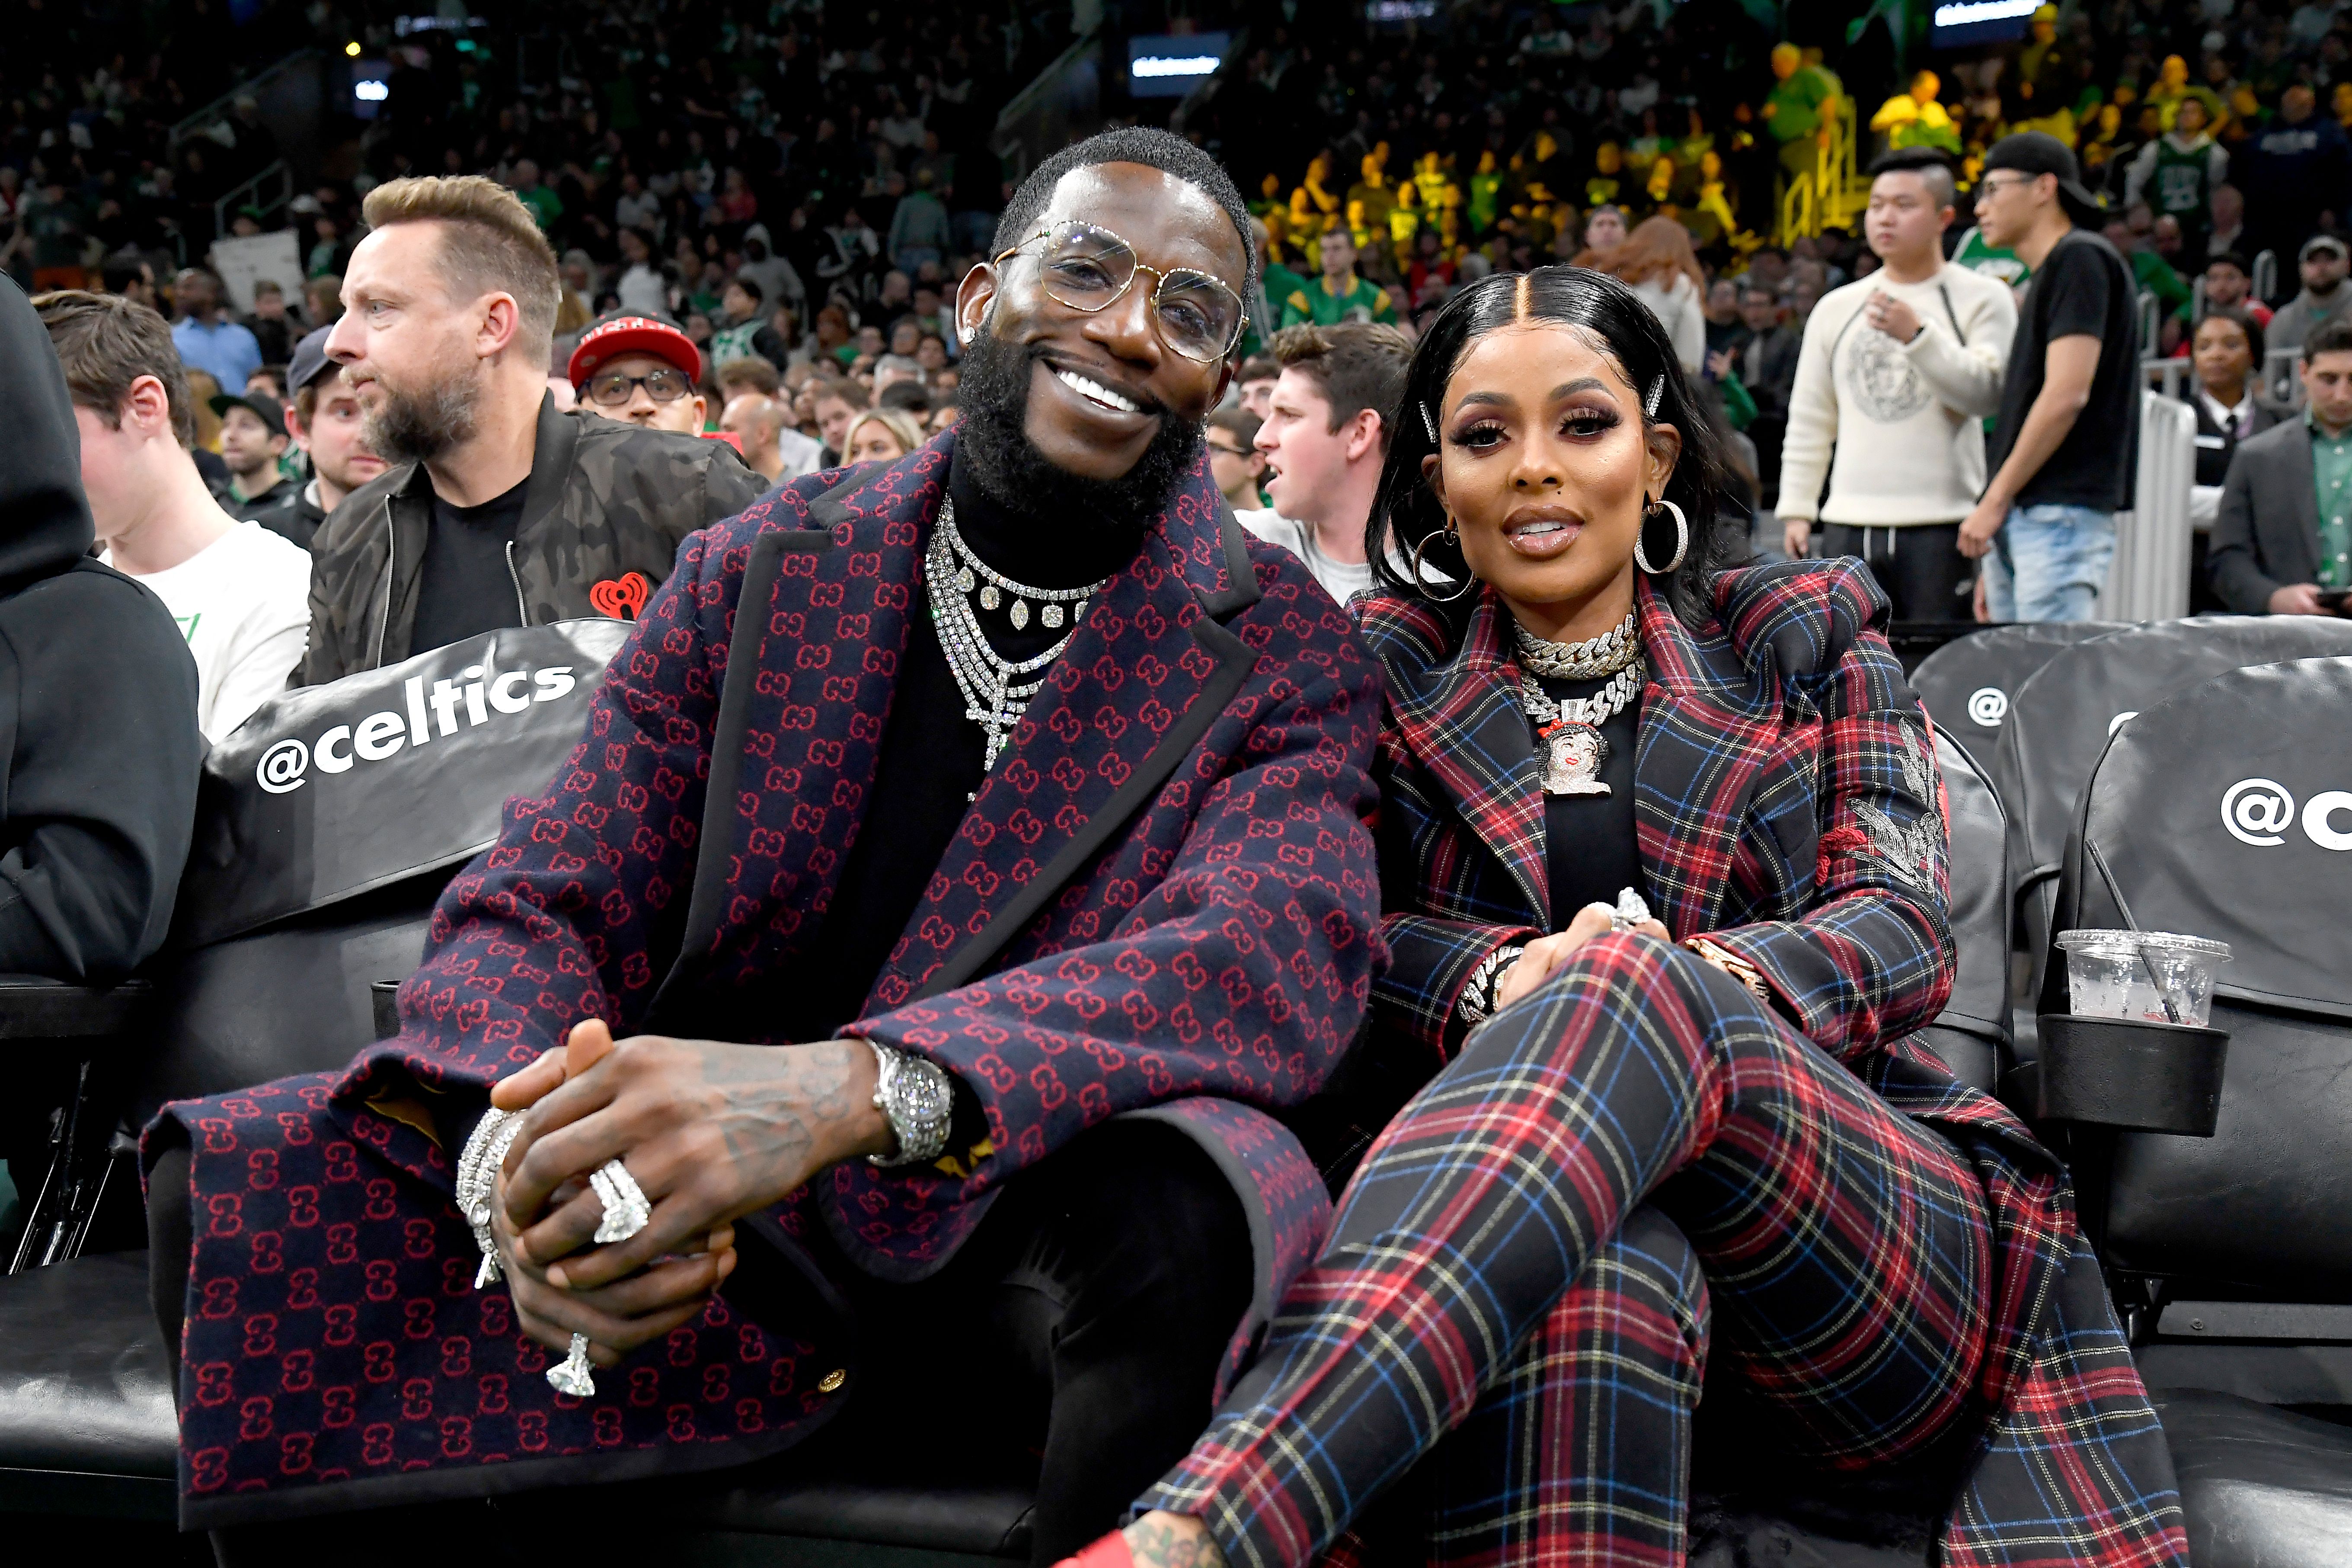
(98, 704)
(2217, 443)
(607, 507)
(288, 511)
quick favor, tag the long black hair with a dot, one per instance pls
(1406, 510)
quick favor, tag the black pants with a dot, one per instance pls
(1073, 1340)
(1919, 566)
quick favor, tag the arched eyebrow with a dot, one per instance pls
(1504, 400)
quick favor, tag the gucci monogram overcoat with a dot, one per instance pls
(1163, 902)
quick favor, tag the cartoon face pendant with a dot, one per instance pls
(1573, 760)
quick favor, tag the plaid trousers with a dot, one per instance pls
(1495, 1314)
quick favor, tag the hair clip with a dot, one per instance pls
(1428, 424)
(1657, 396)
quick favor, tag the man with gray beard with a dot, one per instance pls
(498, 509)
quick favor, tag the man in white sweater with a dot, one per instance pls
(1895, 378)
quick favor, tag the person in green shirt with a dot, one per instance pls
(1339, 295)
(1992, 261)
(544, 204)
(1798, 106)
(1277, 284)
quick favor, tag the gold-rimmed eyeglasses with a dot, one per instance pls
(1088, 268)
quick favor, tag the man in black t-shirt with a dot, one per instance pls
(2067, 446)
(498, 511)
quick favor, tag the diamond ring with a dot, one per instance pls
(625, 1208)
(571, 1375)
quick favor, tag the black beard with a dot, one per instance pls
(993, 387)
(417, 427)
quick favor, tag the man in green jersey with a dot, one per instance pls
(1339, 295)
(1992, 261)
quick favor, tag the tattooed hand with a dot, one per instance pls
(1171, 1540)
(711, 1132)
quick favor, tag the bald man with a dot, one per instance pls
(757, 423)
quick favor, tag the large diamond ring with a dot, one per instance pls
(571, 1375)
(1632, 910)
(625, 1208)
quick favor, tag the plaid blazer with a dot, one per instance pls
(1163, 902)
(1769, 738)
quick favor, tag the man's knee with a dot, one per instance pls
(1139, 1213)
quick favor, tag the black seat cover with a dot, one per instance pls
(2226, 812)
(1967, 685)
(85, 1399)
(1972, 1032)
(2060, 720)
(2263, 1487)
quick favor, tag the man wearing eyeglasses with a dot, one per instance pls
(642, 371)
(967, 882)
(498, 509)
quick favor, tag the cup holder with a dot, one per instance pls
(2121, 1072)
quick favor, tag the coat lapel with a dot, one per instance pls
(812, 657)
(1460, 718)
(1147, 672)
(1705, 732)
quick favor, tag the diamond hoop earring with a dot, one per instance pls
(1421, 579)
(1682, 537)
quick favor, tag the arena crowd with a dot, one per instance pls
(1098, 634)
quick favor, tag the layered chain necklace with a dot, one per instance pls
(995, 691)
(1574, 747)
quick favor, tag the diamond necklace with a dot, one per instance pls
(1574, 747)
(994, 696)
(993, 585)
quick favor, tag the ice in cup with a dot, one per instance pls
(2117, 975)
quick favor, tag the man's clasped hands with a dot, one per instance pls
(710, 1131)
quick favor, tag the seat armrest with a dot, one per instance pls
(34, 1008)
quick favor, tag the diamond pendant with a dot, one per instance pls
(1020, 613)
(1572, 757)
(1052, 615)
(989, 598)
(964, 581)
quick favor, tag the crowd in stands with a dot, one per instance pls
(760, 217)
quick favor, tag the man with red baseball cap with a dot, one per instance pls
(640, 369)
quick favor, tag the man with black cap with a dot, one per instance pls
(2066, 445)
(323, 418)
(2324, 296)
(253, 438)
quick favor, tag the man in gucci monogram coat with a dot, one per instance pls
(1133, 941)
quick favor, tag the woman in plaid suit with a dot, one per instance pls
(1656, 1155)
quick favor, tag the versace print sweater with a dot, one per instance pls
(1896, 427)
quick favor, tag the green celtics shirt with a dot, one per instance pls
(1990, 261)
(1360, 301)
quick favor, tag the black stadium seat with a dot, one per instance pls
(2226, 812)
(2060, 720)
(1972, 1032)
(313, 871)
(1967, 685)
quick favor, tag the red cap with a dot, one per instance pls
(621, 335)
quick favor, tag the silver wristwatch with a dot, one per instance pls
(918, 1100)
(1478, 992)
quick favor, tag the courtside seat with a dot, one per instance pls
(2226, 812)
(2260, 1486)
(2060, 720)
(1966, 686)
(1971, 1034)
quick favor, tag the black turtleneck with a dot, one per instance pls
(931, 759)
